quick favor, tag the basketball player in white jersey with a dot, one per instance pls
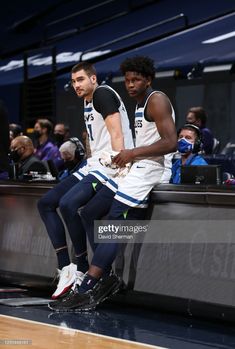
(156, 139)
(108, 128)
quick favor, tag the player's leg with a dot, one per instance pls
(47, 207)
(105, 253)
(69, 205)
(96, 209)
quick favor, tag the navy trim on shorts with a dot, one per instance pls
(127, 197)
(100, 174)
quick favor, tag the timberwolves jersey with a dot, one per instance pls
(134, 189)
(99, 137)
(147, 133)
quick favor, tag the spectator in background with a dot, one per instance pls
(45, 149)
(197, 116)
(4, 142)
(189, 144)
(73, 153)
(15, 131)
(22, 154)
(61, 134)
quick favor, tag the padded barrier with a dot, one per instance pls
(185, 275)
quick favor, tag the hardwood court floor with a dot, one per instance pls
(28, 333)
(112, 325)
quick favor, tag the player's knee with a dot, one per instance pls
(118, 210)
(67, 208)
(43, 204)
(86, 214)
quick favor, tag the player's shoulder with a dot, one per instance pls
(103, 89)
(105, 93)
(156, 94)
(157, 97)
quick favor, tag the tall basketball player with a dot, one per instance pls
(108, 128)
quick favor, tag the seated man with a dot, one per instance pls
(197, 116)
(73, 154)
(45, 149)
(60, 134)
(15, 131)
(22, 154)
(189, 144)
(107, 124)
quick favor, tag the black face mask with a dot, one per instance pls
(69, 165)
(59, 138)
(37, 134)
(14, 155)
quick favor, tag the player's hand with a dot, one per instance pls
(124, 157)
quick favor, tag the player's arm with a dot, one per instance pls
(159, 111)
(107, 104)
(113, 124)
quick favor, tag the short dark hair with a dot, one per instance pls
(140, 64)
(16, 129)
(200, 114)
(66, 126)
(88, 67)
(45, 123)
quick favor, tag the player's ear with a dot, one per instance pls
(93, 79)
(149, 81)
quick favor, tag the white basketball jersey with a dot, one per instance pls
(99, 137)
(147, 133)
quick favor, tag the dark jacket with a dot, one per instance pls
(31, 164)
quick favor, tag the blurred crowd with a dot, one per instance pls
(47, 149)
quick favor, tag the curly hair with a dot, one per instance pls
(140, 64)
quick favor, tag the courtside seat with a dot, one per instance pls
(229, 149)
(216, 146)
(227, 162)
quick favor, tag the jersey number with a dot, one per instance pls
(89, 129)
(138, 123)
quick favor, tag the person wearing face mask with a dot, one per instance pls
(22, 155)
(73, 154)
(197, 116)
(189, 144)
(61, 134)
(45, 149)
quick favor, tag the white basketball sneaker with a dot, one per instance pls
(67, 277)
